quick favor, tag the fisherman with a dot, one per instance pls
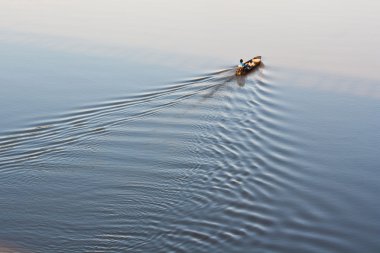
(241, 68)
(242, 64)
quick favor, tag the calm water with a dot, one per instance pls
(124, 129)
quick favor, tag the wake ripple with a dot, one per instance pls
(54, 134)
(203, 165)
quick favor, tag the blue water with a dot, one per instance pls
(145, 141)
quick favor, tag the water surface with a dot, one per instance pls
(124, 128)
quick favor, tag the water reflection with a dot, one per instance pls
(235, 162)
(310, 36)
(107, 156)
(241, 80)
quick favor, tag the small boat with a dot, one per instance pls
(250, 65)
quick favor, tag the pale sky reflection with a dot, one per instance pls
(331, 36)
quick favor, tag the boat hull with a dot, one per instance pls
(251, 65)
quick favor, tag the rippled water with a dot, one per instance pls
(101, 151)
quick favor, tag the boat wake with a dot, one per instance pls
(207, 163)
(53, 135)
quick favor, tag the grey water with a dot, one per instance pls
(124, 129)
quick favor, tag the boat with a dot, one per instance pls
(250, 65)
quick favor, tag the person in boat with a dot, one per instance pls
(242, 64)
